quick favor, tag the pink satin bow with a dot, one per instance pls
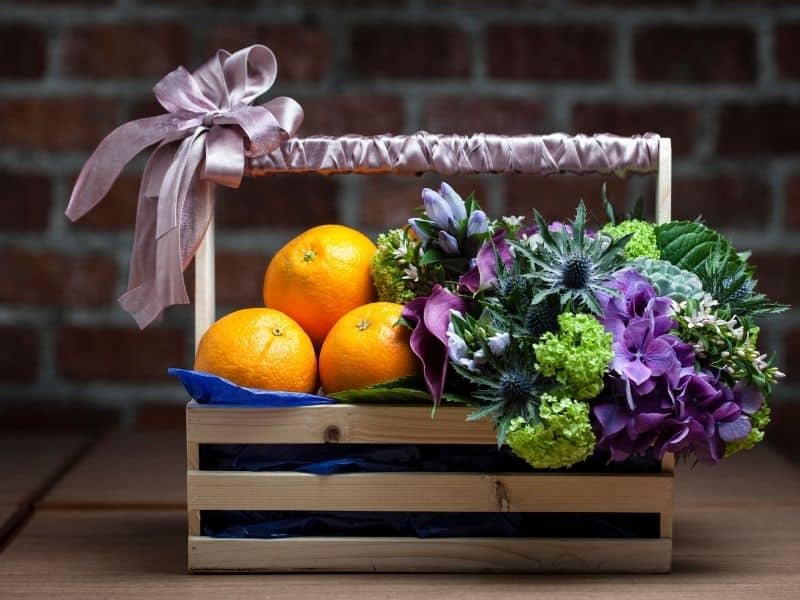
(208, 131)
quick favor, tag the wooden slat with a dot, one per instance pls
(9, 517)
(133, 469)
(664, 181)
(459, 492)
(352, 424)
(397, 555)
(193, 463)
(29, 463)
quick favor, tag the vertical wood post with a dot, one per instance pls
(204, 281)
(664, 181)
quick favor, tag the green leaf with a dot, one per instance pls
(432, 255)
(470, 204)
(687, 245)
(382, 396)
(638, 209)
(607, 206)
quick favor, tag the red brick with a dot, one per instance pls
(240, 278)
(296, 201)
(302, 50)
(50, 279)
(16, 63)
(410, 51)
(767, 128)
(725, 201)
(24, 202)
(689, 54)
(343, 114)
(120, 51)
(107, 353)
(776, 275)
(792, 202)
(490, 115)
(19, 353)
(56, 123)
(118, 208)
(787, 50)
(557, 196)
(389, 201)
(678, 122)
(550, 52)
(635, 3)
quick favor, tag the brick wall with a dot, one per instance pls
(722, 78)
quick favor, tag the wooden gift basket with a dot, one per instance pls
(535, 492)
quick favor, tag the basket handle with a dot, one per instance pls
(611, 154)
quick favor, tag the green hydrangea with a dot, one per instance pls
(394, 269)
(642, 243)
(577, 356)
(759, 420)
(562, 438)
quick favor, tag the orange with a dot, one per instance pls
(365, 347)
(259, 348)
(320, 275)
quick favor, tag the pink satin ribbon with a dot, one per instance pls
(459, 154)
(204, 139)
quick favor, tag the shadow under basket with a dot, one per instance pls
(278, 490)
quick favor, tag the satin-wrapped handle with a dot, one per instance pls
(461, 154)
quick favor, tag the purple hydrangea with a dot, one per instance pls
(656, 397)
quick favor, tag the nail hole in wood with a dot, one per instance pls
(332, 435)
(503, 502)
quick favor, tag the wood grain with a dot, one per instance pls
(664, 181)
(9, 516)
(464, 492)
(378, 424)
(725, 553)
(133, 469)
(412, 555)
(29, 463)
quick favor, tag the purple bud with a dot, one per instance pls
(424, 238)
(478, 223)
(448, 243)
(454, 201)
(436, 208)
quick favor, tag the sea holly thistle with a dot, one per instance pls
(571, 265)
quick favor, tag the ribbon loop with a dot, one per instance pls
(203, 139)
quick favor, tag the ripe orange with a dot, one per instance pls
(320, 275)
(260, 348)
(365, 347)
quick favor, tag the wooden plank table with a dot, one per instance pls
(737, 535)
(131, 470)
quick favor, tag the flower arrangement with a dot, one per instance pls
(633, 339)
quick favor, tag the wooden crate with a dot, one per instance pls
(538, 492)
(430, 492)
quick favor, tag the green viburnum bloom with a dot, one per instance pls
(395, 267)
(561, 438)
(643, 238)
(577, 356)
(759, 421)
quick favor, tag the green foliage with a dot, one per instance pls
(577, 356)
(407, 390)
(562, 437)
(723, 272)
(642, 242)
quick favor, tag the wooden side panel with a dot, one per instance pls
(343, 423)
(453, 555)
(464, 492)
(193, 463)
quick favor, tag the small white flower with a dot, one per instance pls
(411, 273)
(498, 343)
(512, 222)
(456, 345)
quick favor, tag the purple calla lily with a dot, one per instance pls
(484, 273)
(429, 317)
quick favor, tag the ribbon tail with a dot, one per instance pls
(116, 150)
